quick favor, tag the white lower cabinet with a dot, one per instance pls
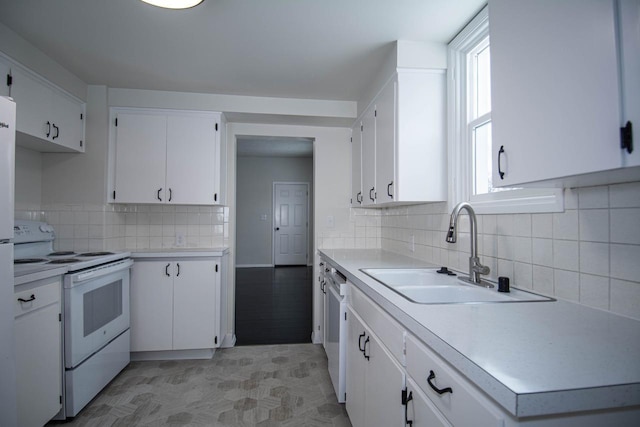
(38, 353)
(175, 304)
(420, 410)
(454, 396)
(374, 378)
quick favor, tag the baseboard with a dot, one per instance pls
(253, 265)
(228, 341)
(316, 338)
(204, 353)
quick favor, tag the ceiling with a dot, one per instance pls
(308, 49)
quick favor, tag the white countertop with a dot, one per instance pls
(179, 252)
(30, 273)
(533, 358)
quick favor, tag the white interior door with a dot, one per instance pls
(290, 202)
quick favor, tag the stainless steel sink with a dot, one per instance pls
(426, 286)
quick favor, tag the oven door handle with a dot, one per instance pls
(101, 271)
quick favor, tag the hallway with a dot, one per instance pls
(274, 305)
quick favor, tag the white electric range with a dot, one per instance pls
(95, 301)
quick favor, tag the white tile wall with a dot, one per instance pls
(116, 227)
(590, 253)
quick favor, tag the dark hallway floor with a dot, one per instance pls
(274, 305)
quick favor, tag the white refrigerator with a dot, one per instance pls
(8, 413)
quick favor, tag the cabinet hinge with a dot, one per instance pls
(114, 194)
(9, 79)
(626, 138)
(59, 317)
(116, 122)
(216, 268)
(216, 126)
(215, 340)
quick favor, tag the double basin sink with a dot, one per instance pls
(427, 286)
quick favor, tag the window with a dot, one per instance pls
(470, 133)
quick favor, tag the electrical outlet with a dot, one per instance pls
(180, 239)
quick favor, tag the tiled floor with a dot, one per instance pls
(275, 385)
(273, 305)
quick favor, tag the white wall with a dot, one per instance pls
(331, 178)
(254, 189)
(28, 179)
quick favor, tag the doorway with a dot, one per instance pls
(274, 284)
(290, 223)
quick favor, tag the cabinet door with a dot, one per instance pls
(68, 118)
(38, 365)
(629, 19)
(151, 306)
(140, 158)
(554, 82)
(385, 381)
(369, 157)
(33, 104)
(194, 304)
(386, 144)
(421, 411)
(5, 70)
(356, 165)
(191, 159)
(356, 370)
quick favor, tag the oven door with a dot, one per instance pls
(96, 309)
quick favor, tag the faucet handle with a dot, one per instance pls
(482, 269)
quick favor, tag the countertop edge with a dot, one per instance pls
(518, 405)
(180, 253)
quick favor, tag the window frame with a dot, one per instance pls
(459, 135)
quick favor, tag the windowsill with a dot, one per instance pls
(526, 200)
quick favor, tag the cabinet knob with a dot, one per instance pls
(500, 153)
(158, 195)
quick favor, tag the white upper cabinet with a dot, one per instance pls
(403, 141)
(5, 71)
(47, 118)
(385, 143)
(629, 18)
(356, 165)
(556, 88)
(167, 157)
(369, 157)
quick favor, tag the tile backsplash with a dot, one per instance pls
(590, 253)
(81, 227)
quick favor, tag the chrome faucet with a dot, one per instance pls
(475, 268)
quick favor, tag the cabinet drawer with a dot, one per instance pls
(465, 405)
(36, 298)
(390, 332)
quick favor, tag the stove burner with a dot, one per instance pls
(89, 254)
(64, 261)
(62, 253)
(28, 260)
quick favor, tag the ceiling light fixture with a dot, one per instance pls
(174, 4)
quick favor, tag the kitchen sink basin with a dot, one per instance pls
(426, 286)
